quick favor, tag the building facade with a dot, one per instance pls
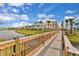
(76, 23)
(49, 24)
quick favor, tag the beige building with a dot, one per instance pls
(49, 24)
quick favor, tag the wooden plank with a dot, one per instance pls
(6, 44)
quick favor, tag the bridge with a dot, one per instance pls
(54, 43)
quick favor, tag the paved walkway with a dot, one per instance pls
(54, 48)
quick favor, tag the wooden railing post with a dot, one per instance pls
(16, 46)
(43, 40)
(63, 45)
(1, 53)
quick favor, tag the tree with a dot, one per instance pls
(71, 25)
(48, 22)
(41, 24)
(66, 25)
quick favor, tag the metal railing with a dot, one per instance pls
(24, 46)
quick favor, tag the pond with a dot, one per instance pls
(9, 34)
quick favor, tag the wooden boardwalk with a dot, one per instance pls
(54, 48)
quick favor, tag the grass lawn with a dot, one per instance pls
(30, 32)
(2, 40)
(74, 38)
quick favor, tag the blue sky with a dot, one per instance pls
(18, 14)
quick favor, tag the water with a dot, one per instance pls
(9, 34)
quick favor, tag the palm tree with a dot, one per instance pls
(48, 22)
(41, 24)
(66, 26)
(62, 25)
(36, 25)
(76, 24)
(71, 25)
(77, 27)
(56, 26)
(52, 25)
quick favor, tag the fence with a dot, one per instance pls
(24, 46)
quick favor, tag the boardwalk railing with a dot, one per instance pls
(69, 49)
(24, 46)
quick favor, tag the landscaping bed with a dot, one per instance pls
(30, 32)
(74, 38)
(2, 40)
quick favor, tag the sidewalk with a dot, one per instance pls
(54, 48)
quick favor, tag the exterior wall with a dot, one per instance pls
(76, 24)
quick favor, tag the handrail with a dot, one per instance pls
(69, 49)
(26, 45)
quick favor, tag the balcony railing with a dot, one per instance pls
(25, 46)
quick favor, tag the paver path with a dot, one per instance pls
(54, 48)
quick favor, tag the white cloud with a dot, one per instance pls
(15, 4)
(1, 4)
(21, 24)
(69, 17)
(15, 10)
(45, 17)
(24, 17)
(9, 17)
(29, 4)
(27, 7)
(6, 17)
(24, 24)
(40, 5)
(41, 15)
(13, 24)
(49, 8)
(19, 4)
(71, 11)
(7, 9)
(39, 19)
(44, 20)
(51, 15)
